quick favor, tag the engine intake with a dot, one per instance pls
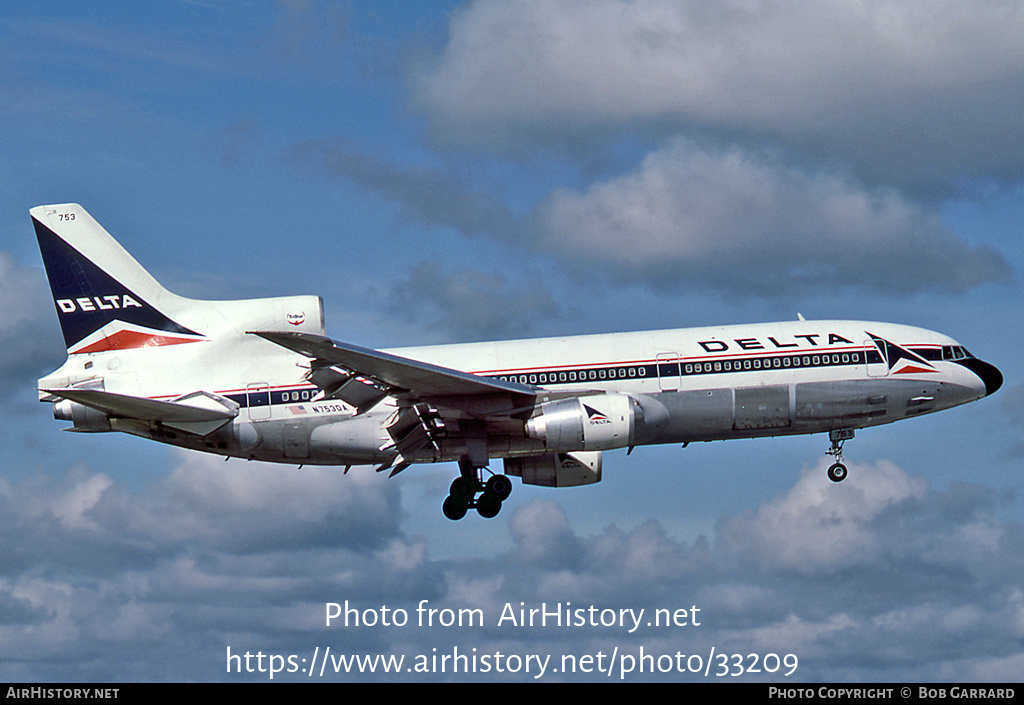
(599, 422)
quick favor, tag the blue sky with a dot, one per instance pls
(456, 171)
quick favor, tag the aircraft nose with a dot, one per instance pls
(989, 374)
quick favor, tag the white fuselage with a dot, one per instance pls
(696, 384)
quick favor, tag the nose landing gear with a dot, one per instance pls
(838, 472)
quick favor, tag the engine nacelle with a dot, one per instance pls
(598, 422)
(84, 417)
(557, 469)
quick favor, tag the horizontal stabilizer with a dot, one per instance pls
(420, 378)
(199, 413)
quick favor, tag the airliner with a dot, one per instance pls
(259, 379)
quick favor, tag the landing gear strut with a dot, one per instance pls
(468, 491)
(838, 472)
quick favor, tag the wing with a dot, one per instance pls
(397, 374)
(435, 403)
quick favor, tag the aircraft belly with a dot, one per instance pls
(358, 439)
(696, 415)
(762, 408)
(295, 440)
(719, 414)
(677, 416)
(871, 402)
(810, 407)
(854, 403)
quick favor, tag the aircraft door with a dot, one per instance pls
(668, 372)
(257, 398)
(874, 361)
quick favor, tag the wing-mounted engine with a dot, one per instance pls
(597, 422)
(557, 469)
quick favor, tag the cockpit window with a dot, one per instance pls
(955, 352)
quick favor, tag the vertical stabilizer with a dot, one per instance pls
(105, 300)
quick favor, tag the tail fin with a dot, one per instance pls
(105, 300)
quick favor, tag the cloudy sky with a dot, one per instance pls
(456, 171)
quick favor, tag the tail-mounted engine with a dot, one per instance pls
(85, 419)
(599, 422)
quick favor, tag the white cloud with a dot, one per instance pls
(747, 221)
(254, 507)
(879, 577)
(817, 529)
(912, 90)
(831, 112)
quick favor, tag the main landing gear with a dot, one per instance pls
(468, 491)
(838, 472)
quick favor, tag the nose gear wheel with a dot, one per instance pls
(838, 472)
